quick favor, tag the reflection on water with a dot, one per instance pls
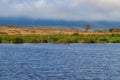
(59, 62)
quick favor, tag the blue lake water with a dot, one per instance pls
(59, 62)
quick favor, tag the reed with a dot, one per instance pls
(74, 38)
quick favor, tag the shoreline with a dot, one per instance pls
(58, 39)
(55, 35)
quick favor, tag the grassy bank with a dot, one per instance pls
(74, 38)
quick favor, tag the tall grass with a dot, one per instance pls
(74, 38)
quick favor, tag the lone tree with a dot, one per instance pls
(86, 27)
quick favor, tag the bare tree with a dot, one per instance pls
(86, 27)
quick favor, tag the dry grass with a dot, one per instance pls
(44, 31)
(40, 31)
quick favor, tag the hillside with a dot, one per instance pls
(78, 24)
(38, 31)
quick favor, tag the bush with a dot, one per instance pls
(18, 40)
(45, 41)
(75, 34)
(0, 40)
(35, 41)
(7, 39)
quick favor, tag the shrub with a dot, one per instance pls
(45, 41)
(0, 40)
(18, 40)
(75, 34)
(35, 41)
(7, 39)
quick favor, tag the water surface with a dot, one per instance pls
(59, 62)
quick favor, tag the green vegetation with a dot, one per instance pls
(74, 38)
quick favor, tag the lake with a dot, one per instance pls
(59, 62)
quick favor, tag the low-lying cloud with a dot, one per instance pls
(62, 9)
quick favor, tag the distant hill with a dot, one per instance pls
(28, 22)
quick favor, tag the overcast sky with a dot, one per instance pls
(62, 9)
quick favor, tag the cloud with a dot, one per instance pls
(3, 1)
(62, 9)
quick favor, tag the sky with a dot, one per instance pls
(108, 10)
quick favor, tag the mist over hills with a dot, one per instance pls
(28, 22)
